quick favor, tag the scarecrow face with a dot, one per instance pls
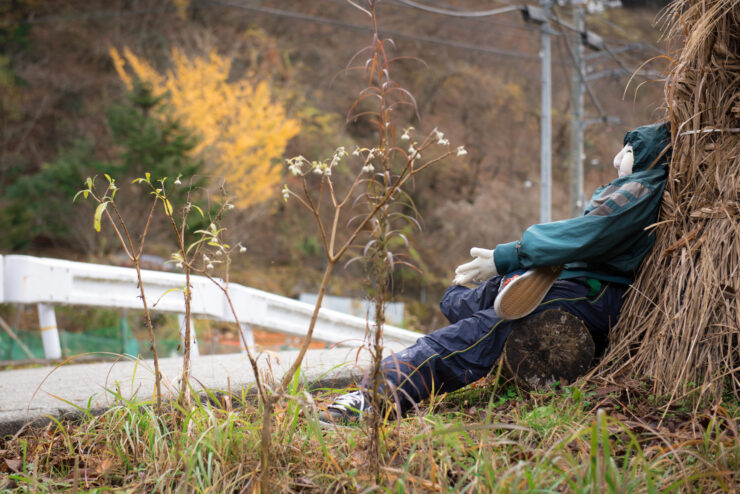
(624, 160)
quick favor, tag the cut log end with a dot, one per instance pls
(548, 347)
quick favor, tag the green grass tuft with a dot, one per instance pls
(474, 440)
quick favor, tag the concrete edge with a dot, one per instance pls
(15, 426)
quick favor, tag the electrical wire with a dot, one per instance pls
(604, 20)
(293, 15)
(581, 75)
(619, 49)
(362, 27)
(487, 22)
(100, 14)
(472, 15)
(461, 13)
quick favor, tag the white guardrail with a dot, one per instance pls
(49, 282)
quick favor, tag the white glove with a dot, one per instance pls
(480, 268)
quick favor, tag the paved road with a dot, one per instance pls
(36, 393)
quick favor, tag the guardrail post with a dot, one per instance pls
(49, 331)
(194, 342)
(248, 340)
(2, 282)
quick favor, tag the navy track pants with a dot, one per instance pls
(467, 349)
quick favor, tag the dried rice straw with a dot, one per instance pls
(680, 323)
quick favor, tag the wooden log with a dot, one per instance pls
(548, 347)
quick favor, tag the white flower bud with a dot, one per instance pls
(461, 151)
(406, 136)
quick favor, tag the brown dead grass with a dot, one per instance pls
(681, 320)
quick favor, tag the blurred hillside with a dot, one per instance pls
(66, 113)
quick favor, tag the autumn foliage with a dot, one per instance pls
(242, 127)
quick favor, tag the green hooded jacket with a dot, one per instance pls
(609, 241)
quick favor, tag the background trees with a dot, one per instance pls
(246, 86)
(242, 131)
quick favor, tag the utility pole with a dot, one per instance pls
(576, 122)
(546, 119)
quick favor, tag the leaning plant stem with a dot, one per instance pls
(333, 258)
(252, 361)
(135, 258)
(314, 317)
(268, 401)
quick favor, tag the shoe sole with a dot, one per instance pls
(522, 295)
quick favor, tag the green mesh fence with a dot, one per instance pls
(114, 340)
(10, 350)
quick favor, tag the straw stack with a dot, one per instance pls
(680, 324)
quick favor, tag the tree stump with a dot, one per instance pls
(547, 347)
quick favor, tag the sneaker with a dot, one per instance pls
(520, 294)
(346, 409)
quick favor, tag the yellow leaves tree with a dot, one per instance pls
(243, 130)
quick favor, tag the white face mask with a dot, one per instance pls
(624, 160)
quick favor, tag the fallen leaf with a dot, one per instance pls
(14, 465)
(104, 466)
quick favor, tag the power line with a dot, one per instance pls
(364, 28)
(397, 34)
(579, 70)
(293, 15)
(487, 22)
(624, 35)
(620, 49)
(461, 13)
(99, 14)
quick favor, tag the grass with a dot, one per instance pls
(474, 440)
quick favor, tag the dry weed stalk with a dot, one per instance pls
(191, 257)
(378, 184)
(106, 204)
(681, 321)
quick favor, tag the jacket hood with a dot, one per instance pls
(648, 142)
